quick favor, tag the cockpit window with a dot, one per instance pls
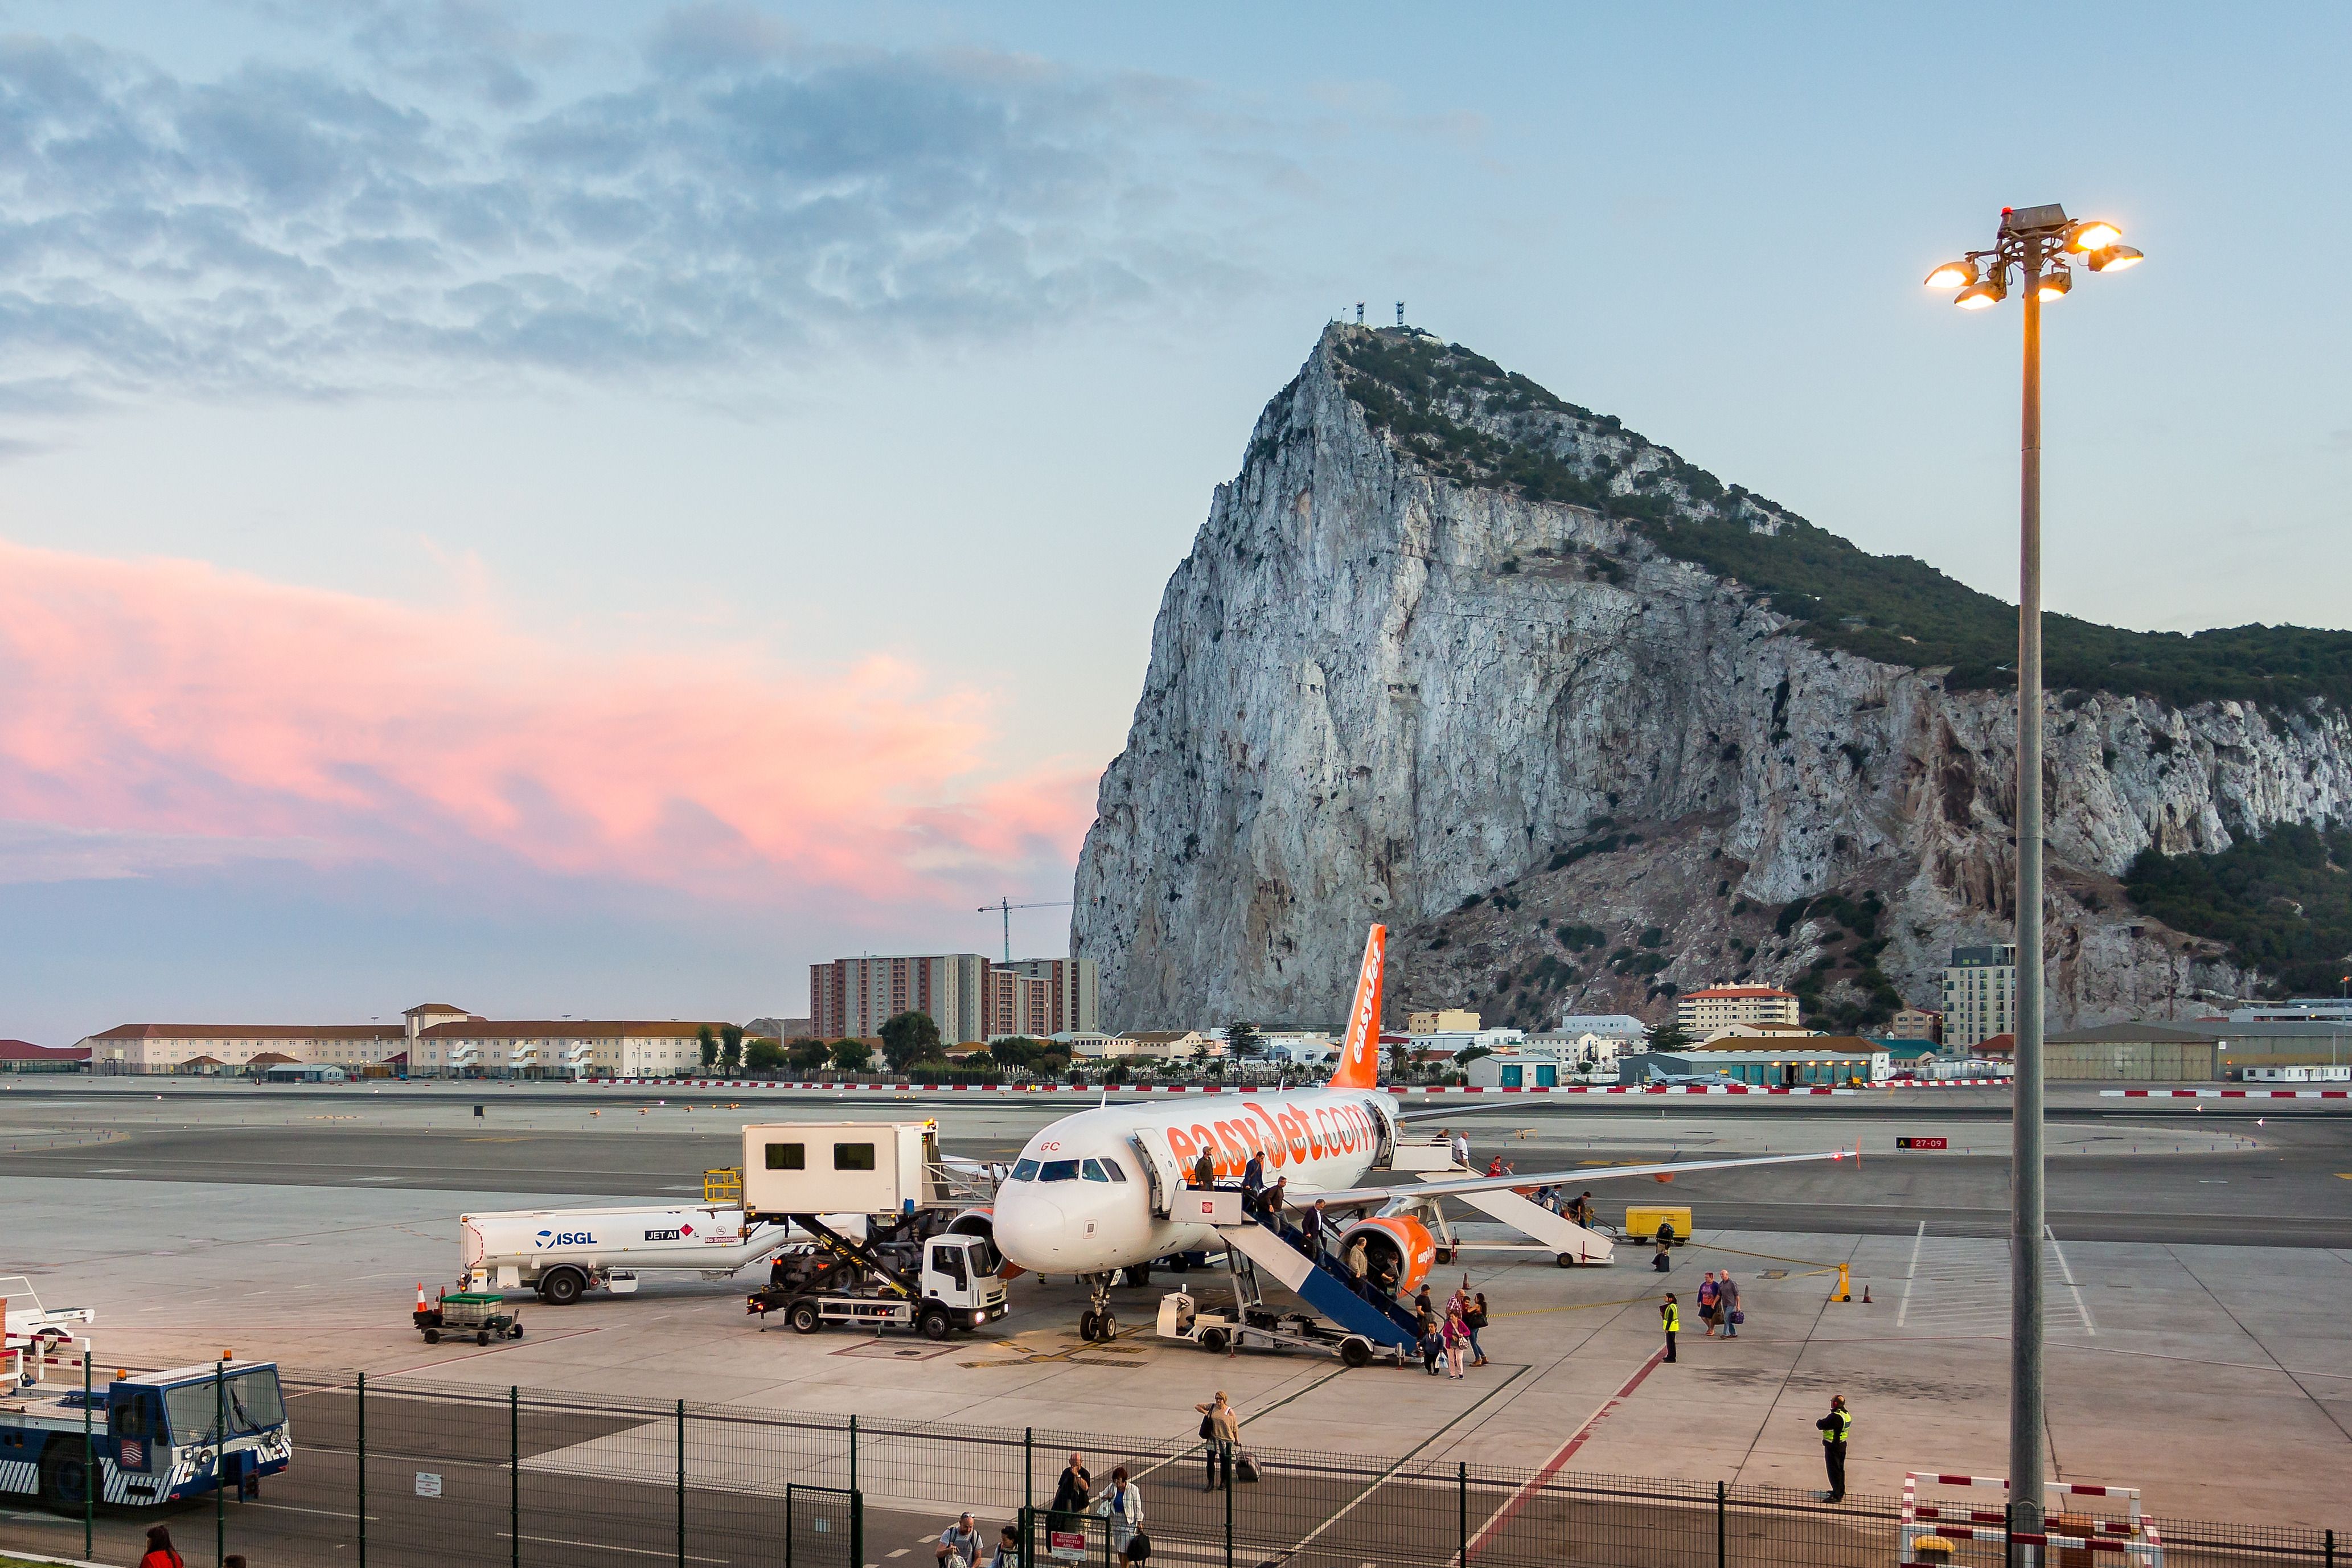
(1117, 1174)
(1058, 1171)
(1025, 1170)
(1094, 1169)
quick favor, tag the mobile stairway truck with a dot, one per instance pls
(155, 1438)
(911, 1268)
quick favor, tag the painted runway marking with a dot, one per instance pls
(2081, 1306)
(1519, 1500)
(1911, 1273)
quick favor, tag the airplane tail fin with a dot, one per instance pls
(1359, 1054)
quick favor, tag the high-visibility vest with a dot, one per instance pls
(1672, 1317)
(1837, 1434)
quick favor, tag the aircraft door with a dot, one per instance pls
(1160, 1169)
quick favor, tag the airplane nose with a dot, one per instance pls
(1027, 1228)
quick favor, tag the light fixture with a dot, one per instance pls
(2114, 258)
(2093, 234)
(2053, 285)
(1953, 275)
(1982, 296)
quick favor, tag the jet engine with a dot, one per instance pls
(1401, 1242)
(982, 1222)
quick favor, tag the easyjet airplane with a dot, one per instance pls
(1092, 1193)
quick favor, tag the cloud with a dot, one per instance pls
(744, 198)
(167, 714)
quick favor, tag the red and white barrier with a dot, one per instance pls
(2134, 1538)
(1399, 1089)
(2225, 1094)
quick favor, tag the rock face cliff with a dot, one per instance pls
(1444, 656)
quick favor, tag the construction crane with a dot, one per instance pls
(1004, 906)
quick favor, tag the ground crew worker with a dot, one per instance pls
(1670, 1318)
(1835, 1427)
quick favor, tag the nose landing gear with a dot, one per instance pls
(1096, 1323)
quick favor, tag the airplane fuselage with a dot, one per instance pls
(1079, 1199)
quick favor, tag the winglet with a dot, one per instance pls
(1360, 1056)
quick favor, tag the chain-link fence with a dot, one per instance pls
(406, 1474)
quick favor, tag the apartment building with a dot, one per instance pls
(1073, 993)
(852, 998)
(1979, 996)
(1701, 1013)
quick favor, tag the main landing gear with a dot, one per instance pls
(1096, 1323)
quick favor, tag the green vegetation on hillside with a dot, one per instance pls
(2282, 903)
(1468, 420)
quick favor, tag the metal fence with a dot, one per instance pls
(407, 1474)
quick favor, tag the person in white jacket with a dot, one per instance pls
(1122, 1507)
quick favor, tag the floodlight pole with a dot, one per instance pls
(2025, 1188)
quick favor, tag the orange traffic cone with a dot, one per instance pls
(420, 1296)
(1865, 1295)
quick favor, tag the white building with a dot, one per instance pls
(1524, 1067)
(1167, 1045)
(1454, 1042)
(1759, 1032)
(433, 1040)
(1700, 1012)
(138, 1049)
(1611, 1025)
(1980, 996)
(1587, 1050)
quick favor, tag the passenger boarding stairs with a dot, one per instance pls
(1322, 1283)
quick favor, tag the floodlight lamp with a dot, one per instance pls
(1982, 296)
(2114, 258)
(2092, 234)
(2053, 285)
(1953, 275)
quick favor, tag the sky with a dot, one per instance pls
(574, 509)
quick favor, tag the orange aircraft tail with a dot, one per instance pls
(1360, 1056)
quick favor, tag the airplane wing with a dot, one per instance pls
(1546, 1178)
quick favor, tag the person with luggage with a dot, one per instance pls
(1836, 1427)
(1221, 1430)
(1475, 1318)
(958, 1545)
(1457, 1342)
(1122, 1508)
(1008, 1549)
(1727, 1303)
(1070, 1494)
(1707, 1303)
(1670, 1318)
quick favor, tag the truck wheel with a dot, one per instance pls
(1214, 1341)
(481, 1336)
(1354, 1350)
(935, 1324)
(432, 1336)
(514, 1330)
(805, 1319)
(1566, 1260)
(562, 1288)
(1444, 1255)
(64, 1480)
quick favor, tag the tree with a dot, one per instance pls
(1244, 1040)
(1468, 1053)
(763, 1056)
(1117, 1073)
(908, 1037)
(807, 1055)
(1016, 1051)
(709, 1043)
(1398, 1051)
(1668, 1037)
(730, 1045)
(851, 1056)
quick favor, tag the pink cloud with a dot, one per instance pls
(173, 702)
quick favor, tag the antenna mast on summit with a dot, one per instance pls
(1360, 312)
(1400, 312)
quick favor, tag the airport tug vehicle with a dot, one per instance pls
(481, 1315)
(142, 1438)
(895, 1239)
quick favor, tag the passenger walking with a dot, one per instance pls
(1354, 1257)
(1432, 1344)
(1220, 1429)
(1664, 1259)
(1495, 1166)
(1475, 1318)
(1273, 1198)
(959, 1543)
(1835, 1428)
(1584, 1209)
(1075, 1486)
(1254, 1174)
(1670, 1318)
(1311, 1225)
(1461, 1149)
(1727, 1301)
(1204, 1170)
(1707, 1302)
(161, 1554)
(1457, 1342)
(1122, 1507)
(1008, 1549)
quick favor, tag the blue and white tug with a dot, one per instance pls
(156, 1436)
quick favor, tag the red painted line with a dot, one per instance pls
(1519, 1500)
